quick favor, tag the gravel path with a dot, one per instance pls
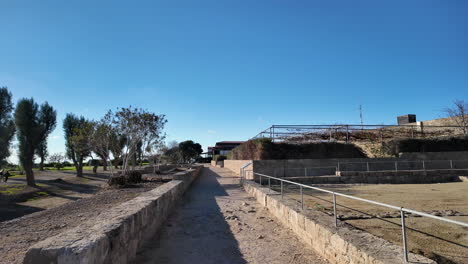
(218, 222)
(17, 235)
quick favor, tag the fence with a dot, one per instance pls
(335, 194)
(404, 165)
(348, 133)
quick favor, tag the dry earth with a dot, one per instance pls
(444, 242)
(19, 234)
(217, 222)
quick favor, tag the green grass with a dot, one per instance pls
(69, 168)
(38, 195)
(12, 189)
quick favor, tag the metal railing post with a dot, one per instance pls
(305, 172)
(367, 163)
(451, 164)
(269, 185)
(281, 189)
(338, 166)
(396, 165)
(334, 210)
(403, 233)
(302, 198)
(424, 165)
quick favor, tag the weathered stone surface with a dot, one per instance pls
(118, 231)
(342, 244)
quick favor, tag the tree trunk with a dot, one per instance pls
(30, 177)
(79, 169)
(41, 164)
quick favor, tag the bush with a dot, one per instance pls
(117, 180)
(133, 177)
(58, 165)
(265, 149)
(395, 147)
(219, 157)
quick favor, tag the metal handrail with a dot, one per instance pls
(401, 209)
(369, 201)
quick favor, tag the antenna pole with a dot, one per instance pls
(360, 115)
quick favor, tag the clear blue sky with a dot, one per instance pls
(224, 70)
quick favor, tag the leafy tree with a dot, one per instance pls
(173, 155)
(459, 114)
(29, 128)
(7, 125)
(78, 133)
(139, 127)
(57, 160)
(190, 150)
(105, 141)
(48, 122)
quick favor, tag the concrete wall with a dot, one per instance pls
(342, 245)
(219, 164)
(385, 177)
(270, 166)
(235, 165)
(116, 235)
(452, 155)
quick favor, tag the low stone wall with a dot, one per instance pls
(271, 167)
(117, 233)
(342, 244)
(218, 164)
(401, 177)
(235, 165)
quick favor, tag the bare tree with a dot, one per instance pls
(459, 114)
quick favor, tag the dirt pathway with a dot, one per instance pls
(217, 222)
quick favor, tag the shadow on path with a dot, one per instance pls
(197, 231)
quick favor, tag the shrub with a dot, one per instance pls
(133, 177)
(58, 165)
(395, 147)
(264, 149)
(117, 180)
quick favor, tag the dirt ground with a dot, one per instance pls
(217, 222)
(19, 234)
(447, 243)
(54, 188)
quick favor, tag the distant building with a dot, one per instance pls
(406, 119)
(223, 147)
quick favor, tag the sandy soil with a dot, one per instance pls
(217, 222)
(53, 189)
(19, 234)
(444, 242)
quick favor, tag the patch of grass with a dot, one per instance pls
(69, 168)
(12, 189)
(38, 195)
(17, 176)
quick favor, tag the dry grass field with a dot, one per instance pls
(444, 242)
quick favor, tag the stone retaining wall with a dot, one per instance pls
(342, 244)
(218, 164)
(116, 235)
(235, 165)
(401, 177)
